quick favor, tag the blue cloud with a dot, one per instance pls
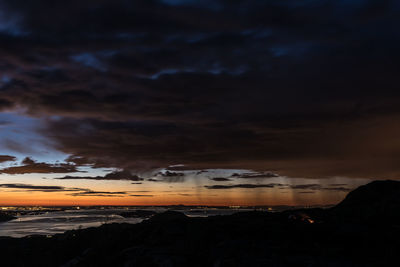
(89, 60)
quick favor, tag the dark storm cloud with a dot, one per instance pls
(246, 186)
(313, 187)
(41, 188)
(255, 175)
(76, 191)
(221, 179)
(304, 88)
(172, 177)
(98, 194)
(5, 158)
(31, 166)
(48, 189)
(154, 180)
(118, 175)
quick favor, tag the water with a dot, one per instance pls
(56, 222)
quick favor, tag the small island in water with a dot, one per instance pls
(362, 230)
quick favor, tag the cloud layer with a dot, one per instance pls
(312, 187)
(74, 191)
(31, 166)
(303, 88)
(117, 175)
(5, 158)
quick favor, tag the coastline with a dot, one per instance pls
(304, 237)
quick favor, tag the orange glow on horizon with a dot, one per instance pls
(223, 199)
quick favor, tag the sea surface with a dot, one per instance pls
(55, 222)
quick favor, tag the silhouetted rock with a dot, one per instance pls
(376, 201)
(138, 214)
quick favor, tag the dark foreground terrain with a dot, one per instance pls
(6, 217)
(363, 230)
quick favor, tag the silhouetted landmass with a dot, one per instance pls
(363, 230)
(5, 217)
(378, 200)
(138, 214)
(168, 216)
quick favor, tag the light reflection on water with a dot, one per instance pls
(51, 223)
(58, 222)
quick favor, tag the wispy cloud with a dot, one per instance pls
(40, 188)
(313, 187)
(118, 175)
(254, 175)
(5, 158)
(248, 186)
(220, 179)
(31, 166)
(98, 194)
(49, 188)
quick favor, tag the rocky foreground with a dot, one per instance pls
(363, 230)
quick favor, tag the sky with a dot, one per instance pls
(211, 102)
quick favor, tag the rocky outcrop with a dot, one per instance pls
(373, 202)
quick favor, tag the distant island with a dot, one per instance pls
(362, 230)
